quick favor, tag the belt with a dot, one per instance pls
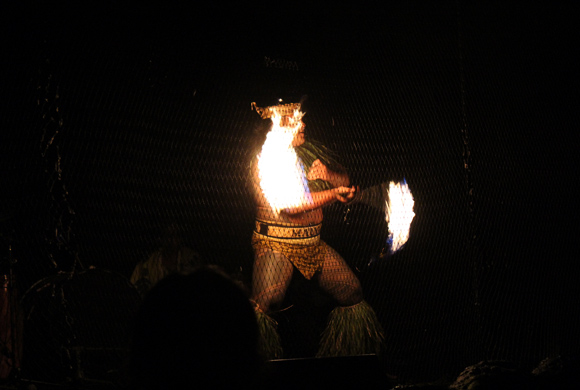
(285, 231)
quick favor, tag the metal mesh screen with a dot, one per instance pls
(117, 125)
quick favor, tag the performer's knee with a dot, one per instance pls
(270, 297)
(348, 294)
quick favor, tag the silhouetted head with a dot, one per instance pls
(196, 329)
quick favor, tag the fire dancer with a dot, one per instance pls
(293, 179)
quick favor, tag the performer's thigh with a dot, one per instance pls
(271, 276)
(338, 280)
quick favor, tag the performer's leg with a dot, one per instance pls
(338, 280)
(271, 277)
(353, 327)
(270, 280)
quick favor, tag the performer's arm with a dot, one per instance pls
(320, 199)
(324, 198)
(319, 171)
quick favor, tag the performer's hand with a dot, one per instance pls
(318, 171)
(345, 194)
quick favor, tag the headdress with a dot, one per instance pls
(281, 109)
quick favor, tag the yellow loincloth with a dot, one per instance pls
(306, 254)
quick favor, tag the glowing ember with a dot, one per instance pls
(399, 214)
(282, 178)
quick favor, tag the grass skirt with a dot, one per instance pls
(352, 331)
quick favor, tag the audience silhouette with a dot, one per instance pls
(195, 331)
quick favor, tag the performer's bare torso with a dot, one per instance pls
(307, 218)
(304, 215)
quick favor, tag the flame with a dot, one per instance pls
(281, 173)
(399, 214)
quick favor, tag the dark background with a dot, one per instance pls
(118, 118)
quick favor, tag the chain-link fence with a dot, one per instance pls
(116, 126)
